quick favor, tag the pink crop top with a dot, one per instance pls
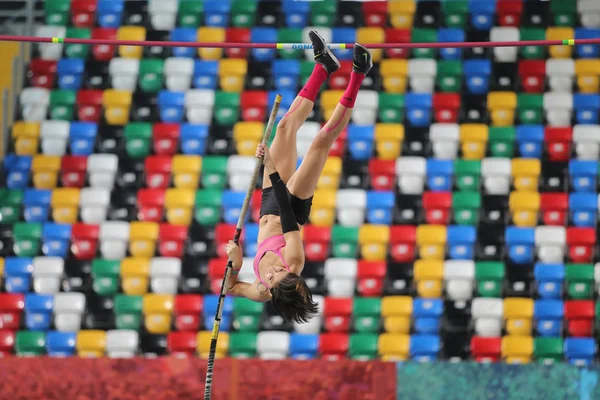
(274, 244)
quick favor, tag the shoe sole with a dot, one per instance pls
(367, 51)
(328, 50)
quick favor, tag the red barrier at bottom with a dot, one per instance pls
(182, 379)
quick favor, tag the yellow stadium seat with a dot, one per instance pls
(401, 13)
(142, 238)
(26, 137)
(131, 33)
(587, 71)
(560, 33)
(65, 205)
(397, 312)
(179, 204)
(330, 177)
(428, 274)
(1, 269)
(45, 171)
(232, 73)
(371, 34)
(517, 349)
(432, 241)
(524, 207)
(186, 171)
(134, 275)
(393, 346)
(518, 314)
(394, 73)
(203, 343)
(373, 240)
(322, 212)
(329, 100)
(526, 173)
(91, 343)
(246, 136)
(502, 108)
(388, 140)
(157, 309)
(473, 138)
(116, 106)
(211, 34)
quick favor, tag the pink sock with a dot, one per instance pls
(311, 90)
(349, 97)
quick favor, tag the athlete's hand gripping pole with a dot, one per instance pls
(236, 239)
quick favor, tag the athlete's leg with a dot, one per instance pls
(304, 181)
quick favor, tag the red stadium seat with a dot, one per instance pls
(509, 12)
(89, 105)
(580, 317)
(375, 13)
(370, 276)
(339, 80)
(182, 344)
(150, 204)
(402, 242)
(172, 240)
(104, 52)
(73, 171)
(7, 343)
(254, 104)
(237, 35)
(338, 313)
(558, 142)
(333, 346)
(187, 310)
(11, 310)
(486, 349)
(216, 271)
(158, 171)
(223, 234)
(446, 107)
(437, 207)
(554, 207)
(581, 243)
(383, 174)
(533, 74)
(339, 146)
(316, 242)
(43, 73)
(255, 205)
(395, 35)
(83, 13)
(84, 239)
(165, 138)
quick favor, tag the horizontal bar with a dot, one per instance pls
(299, 46)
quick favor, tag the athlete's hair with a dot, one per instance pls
(292, 299)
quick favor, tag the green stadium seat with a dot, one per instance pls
(227, 108)
(190, 13)
(530, 108)
(57, 12)
(73, 50)
(564, 12)
(424, 36)
(533, 52)
(128, 312)
(455, 13)
(323, 13)
(243, 13)
(344, 241)
(138, 139)
(207, 208)
(10, 205)
(391, 107)
(214, 172)
(580, 281)
(151, 75)
(26, 238)
(548, 350)
(489, 276)
(467, 174)
(246, 314)
(30, 343)
(449, 76)
(465, 207)
(62, 104)
(306, 69)
(367, 314)
(502, 141)
(290, 35)
(105, 274)
(242, 344)
(363, 346)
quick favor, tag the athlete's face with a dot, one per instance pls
(275, 274)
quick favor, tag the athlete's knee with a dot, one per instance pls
(285, 126)
(324, 139)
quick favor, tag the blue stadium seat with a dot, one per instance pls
(424, 347)
(210, 310)
(216, 13)
(451, 35)
(586, 106)
(287, 99)
(583, 207)
(548, 314)
(38, 311)
(70, 73)
(193, 138)
(17, 274)
(477, 74)
(250, 238)
(550, 279)
(60, 344)
(530, 139)
(36, 204)
(482, 14)
(580, 351)
(304, 346)
(286, 74)
(583, 175)
(263, 35)
(184, 35)
(461, 242)
(379, 207)
(520, 242)
(427, 314)
(206, 74)
(171, 106)
(343, 35)
(17, 170)
(418, 108)
(82, 138)
(296, 13)
(110, 13)
(55, 239)
(232, 203)
(360, 141)
(439, 175)
(588, 50)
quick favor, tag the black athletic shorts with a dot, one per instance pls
(269, 205)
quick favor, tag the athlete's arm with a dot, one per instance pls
(294, 251)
